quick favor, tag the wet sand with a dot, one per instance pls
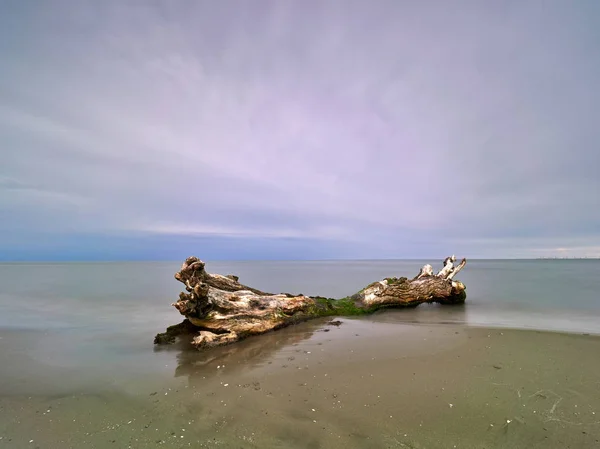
(372, 382)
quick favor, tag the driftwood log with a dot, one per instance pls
(219, 310)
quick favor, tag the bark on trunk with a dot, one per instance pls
(219, 310)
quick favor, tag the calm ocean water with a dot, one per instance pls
(135, 297)
(82, 315)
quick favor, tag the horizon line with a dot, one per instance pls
(24, 261)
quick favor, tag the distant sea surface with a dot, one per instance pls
(134, 297)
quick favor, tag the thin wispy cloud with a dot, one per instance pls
(386, 129)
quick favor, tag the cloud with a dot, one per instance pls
(392, 129)
(317, 233)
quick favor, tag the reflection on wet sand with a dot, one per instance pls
(262, 350)
(245, 355)
(424, 314)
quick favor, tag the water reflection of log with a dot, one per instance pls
(428, 314)
(244, 355)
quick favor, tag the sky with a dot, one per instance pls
(306, 129)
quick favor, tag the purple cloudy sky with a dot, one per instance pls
(299, 129)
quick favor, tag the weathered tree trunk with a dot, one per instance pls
(219, 310)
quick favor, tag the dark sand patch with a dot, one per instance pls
(366, 383)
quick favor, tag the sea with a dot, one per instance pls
(99, 318)
(104, 298)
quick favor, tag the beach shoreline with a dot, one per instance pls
(368, 382)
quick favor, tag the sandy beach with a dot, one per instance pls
(369, 382)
